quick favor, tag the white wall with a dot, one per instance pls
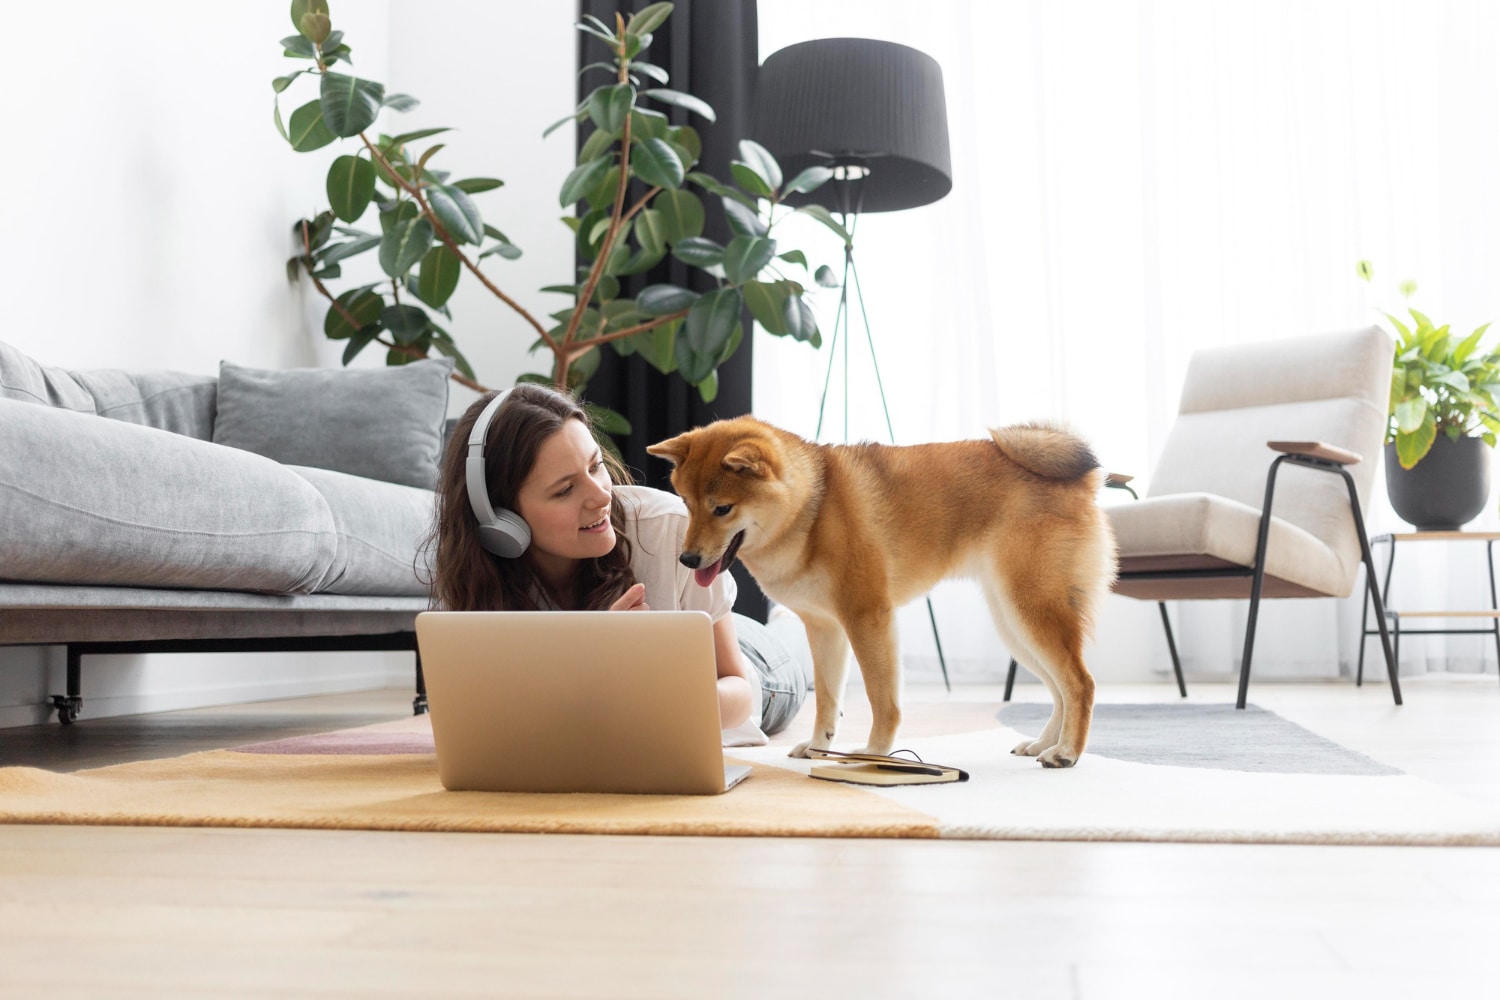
(149, 217)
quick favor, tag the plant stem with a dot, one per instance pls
(354, 324)
(448, 241)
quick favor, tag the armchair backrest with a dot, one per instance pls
(1332, 387)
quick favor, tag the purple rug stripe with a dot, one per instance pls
(349, 742)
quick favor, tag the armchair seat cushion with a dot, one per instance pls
(1193, 532)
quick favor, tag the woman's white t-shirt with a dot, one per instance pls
(655, 524)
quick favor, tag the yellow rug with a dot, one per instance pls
(1142, 780)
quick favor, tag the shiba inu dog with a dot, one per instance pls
(845, 534)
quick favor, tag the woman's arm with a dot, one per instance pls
(736, 697)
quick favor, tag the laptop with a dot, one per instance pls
(575, 701)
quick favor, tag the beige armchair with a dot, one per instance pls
(1262, 485)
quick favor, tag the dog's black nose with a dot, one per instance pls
(690, 559)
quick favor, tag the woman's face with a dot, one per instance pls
(566, 498)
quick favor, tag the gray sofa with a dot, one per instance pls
(158, 511)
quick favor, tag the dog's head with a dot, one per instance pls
(730, 475)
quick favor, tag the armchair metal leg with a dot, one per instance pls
(1375, 595)
(1166, 624)
(1010, 679)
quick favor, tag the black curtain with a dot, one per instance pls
(710, 49)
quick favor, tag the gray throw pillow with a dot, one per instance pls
(380, 423)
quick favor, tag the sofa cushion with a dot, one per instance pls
(24, 380)
(380, 528)
(169, 401)
(380, 423)
(84, 500)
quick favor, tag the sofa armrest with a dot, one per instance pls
(1317, 449)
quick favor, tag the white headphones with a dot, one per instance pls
(503, 532)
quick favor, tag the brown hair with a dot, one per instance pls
(465, 577)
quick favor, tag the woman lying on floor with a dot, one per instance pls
(580, 537)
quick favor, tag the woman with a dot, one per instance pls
(598, 543)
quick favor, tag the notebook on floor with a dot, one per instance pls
(583, 701)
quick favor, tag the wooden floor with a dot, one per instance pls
(127, 912)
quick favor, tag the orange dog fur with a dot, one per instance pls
(843, 535)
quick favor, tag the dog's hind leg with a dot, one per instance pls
(1019, 646)
(830, 650)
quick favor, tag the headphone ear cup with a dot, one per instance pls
(507, 536)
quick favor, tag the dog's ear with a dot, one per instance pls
(748, 458)
(674, 450)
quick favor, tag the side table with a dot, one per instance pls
(1492, 613)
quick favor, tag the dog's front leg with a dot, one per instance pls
(877, 649)
(830, 651)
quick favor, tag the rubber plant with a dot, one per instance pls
(633, 198)
(1440, 384)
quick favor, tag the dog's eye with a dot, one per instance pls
(723, 510)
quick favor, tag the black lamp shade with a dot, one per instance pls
(857, 101)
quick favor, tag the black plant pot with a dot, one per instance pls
(1446, 489)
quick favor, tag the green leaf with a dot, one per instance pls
(826, 217)
(746, 255)
(361, 303)
(421, 133)
(610, 106)
(794, 257)
(698, 251)
(712, 185)
(457, 213)
(648, 19)
(657, 346)
(1410, 414)
(1466, 346)
(307, 130)
(647, 69)
(478, 185)
(341, 251)
(438, 276)
(662, 300)
(655, 162)
(298, 47)
(595, 146)
(742, 221)
(282, 82)
(825, 277)
(1364, 269)
(507, 250)
(752, 182)
(707, 330)
(400, 102)
(682, 215)
(1410, 448)
(767, 301)
(582, 178)
(809, 180)
(406, 323)
(350, 104)
(686, 139)
(708, 389)
(576, 116)
(678, 99)
(351, 185)
(650, 232)
(403, 245)
(1407, 288)
(360, 341)
(760, 160)
(606, 420)
(648, 124)
(800, 322)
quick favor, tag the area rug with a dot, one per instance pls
(1171, 772)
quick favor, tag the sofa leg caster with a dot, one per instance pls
(67, 708)
(419, 705)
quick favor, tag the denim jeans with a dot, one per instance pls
(783, 662)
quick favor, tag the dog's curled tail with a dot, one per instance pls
(1046, 451)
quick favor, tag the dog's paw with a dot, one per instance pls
(879, 750)
(1057, 757)
(800, 750)
(1028, 748)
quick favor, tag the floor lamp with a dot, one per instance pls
(874, 113)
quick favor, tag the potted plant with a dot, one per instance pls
(639, 199)
(1444, 415)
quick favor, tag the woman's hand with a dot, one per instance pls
(633, 599)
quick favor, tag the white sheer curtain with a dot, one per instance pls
(1133, 181)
